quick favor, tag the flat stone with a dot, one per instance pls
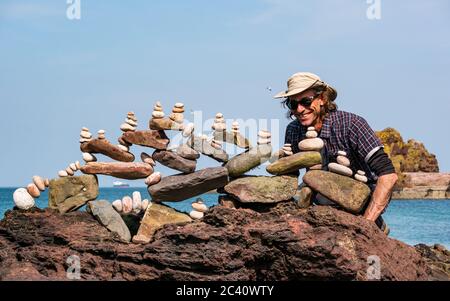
(314, 144)
(295, 162)
(304, 197)
(149, 138)
(343, 161)
(263, 189)
(158, 114)
(196, 214)
(22, 199)
(123, 147)
(311, 134)
(263, 141)
(126, 127)
(122, 170)
(360, 172)
(165, 124)
(316, 167)
(174, 161)
(232, 138)
(69, 171)
(344, 191)
(105, 214)
(73, 167)
(63, 173)
(342, 153)
(242, 163)
(181, 187)
(201, 207)
(311, 128)
(85, 135)
(187, 152)
(87, 157)
(33, 190)
(264, 134)
(204, 147)
(178, 110)
(340, 169)
(39, 182)
(156, 216)
(102, 146)
(131, 122)
(70, 193)
(153, 179)
(177, 117)
(361, 178)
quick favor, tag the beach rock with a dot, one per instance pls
(149, 138)
(340, 169)
(146, 158)
(242, 163)
(181, 187)
(127, 204)
(360, 172)
(199, 206)
(314, 144)
(22, 199)
(263, 189)
(303, 197)
(63, 173)
(295, 162)
(165, 124)
(187, 152)
(263, 141)
(232, 138)
(145, 204)
(196, 214)
(70, 193)
(156, 217)
(188, 130)
(158, 114)
(280, 244)
(122, 170)
(316, 167)
(117, 205)
(102, 146)
(73, 167)
(311, 134)
(153, 179)
(361, 178)
(33, 190)
(126, 127)
(105, 214)
(203, 146)
(39, 182)
(123, 147)
(344, 191)
(342, 153)
(101, 134)
(137, 202)
(69, 171)
(343, 161)
(87, 157)
(47, 182)
(174, 161)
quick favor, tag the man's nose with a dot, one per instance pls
(300, 108)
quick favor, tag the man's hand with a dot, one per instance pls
(380, 196)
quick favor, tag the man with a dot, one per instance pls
(311, 102)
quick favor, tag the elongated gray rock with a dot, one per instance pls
(202, 146)
(232, 138)
(105, 214)
(242, 163)
(263, 189)
(180, 187)
(128, 171)
(348, 193)
(295, 162)
(70, 193)
(149, 138)
(174, 161)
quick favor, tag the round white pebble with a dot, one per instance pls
(22, 199)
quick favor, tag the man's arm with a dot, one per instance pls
(380, 197)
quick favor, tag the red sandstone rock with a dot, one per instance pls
(128, 171)
(103, 146)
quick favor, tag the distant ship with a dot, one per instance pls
(118, 184)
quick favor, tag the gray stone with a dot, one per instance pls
(263, 189)
(242, 163)
(202, 146)
(174, 161)
(70, 193)
(187, 152)
(181, 187)
(344, 191)
(295, 162)
(104, 212)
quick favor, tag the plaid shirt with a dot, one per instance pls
(341, 131)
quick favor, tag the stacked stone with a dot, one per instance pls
(177, 113)
(85, 135)
(130, 125)
(311, 143)
(199, 209)
(342, 166)
(70, 170)
(361, 176)
(24, 197)
(158, 112)
(219, 124)
(134, 204)
(264, 137)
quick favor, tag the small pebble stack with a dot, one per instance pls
(199, 209)
(235, 127)
(177, 113)
(219, 123)
(342, 166)
(264, 137)
(133, 204)
(287, 149)
(158, 112)
(311, 143)
(24, 197)
(130, 123)
(361, 176)
(85, 135)
(70, 170)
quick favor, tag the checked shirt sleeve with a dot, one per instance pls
(292, 137)
(363, 139)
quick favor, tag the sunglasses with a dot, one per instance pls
(292, 104)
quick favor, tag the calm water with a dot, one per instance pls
(412, 222)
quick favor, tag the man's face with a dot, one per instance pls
(307, 115)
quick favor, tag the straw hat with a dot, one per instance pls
(303, 81)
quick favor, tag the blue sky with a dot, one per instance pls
(57, 75)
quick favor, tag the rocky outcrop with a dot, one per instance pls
(283, 243)
(411, 156)
(423, 185)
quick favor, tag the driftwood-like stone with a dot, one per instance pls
(232, 138)
(174, 161)
(128, 171)
(165, 124)
(150, 138)
(103, 146)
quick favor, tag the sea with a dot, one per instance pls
(411, 221)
